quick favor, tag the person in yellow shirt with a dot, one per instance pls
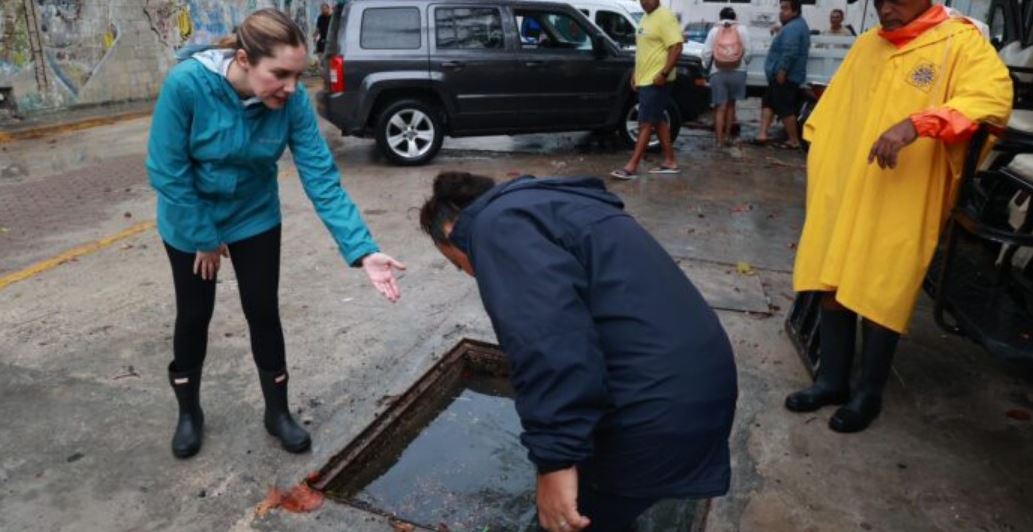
(888, 140)
(657, 49)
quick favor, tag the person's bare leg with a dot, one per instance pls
(645, 131)
(720, 119)
(729, 120)
(663, 132)
(767, 115)
(791, 130)
(733, 119)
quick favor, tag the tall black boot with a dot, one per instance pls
(864, 406)
(189, 428)
(278, 420)
(838, 329)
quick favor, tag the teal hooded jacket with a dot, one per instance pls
(213, 161)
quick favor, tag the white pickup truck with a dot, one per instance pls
(827, 51)
(826, 54)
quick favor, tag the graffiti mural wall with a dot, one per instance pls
(95, 51)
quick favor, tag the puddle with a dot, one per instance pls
(447, 452)
(466, 468)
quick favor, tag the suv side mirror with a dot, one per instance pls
(599, 47)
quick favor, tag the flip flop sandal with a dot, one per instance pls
(623, 174)
(665, 170)
(760, 142)
(785, 146)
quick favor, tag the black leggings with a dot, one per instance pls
(256, 261)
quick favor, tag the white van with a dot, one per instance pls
(619, 19)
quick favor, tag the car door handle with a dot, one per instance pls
(533, 64)
(453, 64)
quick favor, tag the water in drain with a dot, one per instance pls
(448, 452)
(466, 468)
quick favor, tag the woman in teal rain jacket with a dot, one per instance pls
(222, 121)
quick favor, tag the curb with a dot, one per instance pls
(44, 130)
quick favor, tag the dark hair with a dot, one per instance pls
(262, 32)
(453, 191)
(795, 5)
(727, 14)
(840, 11)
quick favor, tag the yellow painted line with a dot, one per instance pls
(73, 253)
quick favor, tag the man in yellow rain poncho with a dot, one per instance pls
(888, 139)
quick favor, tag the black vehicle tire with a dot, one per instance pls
(628, 128)
(409, 132)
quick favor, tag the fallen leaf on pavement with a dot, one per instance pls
(299, 499)
(402, 526)
(745, 268)
(272, 500)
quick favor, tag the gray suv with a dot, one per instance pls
(410, 72)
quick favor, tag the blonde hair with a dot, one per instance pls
(262, 32)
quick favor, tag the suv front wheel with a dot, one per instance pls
(629, 127)
(409, 132)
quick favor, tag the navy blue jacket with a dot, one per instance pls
(619, 365)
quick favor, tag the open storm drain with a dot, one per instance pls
(447, 452)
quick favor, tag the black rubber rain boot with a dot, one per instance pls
(190, 427)
(838, 329)
(864, 406)
(278, 420)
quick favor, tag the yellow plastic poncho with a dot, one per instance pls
(870, 233)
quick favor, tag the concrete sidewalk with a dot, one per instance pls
(88, 412)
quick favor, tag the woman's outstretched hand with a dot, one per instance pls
(379, 267)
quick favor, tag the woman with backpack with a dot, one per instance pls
(223, 119)
(728, 46)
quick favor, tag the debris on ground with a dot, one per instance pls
(402, 526)
(777, 162)
(745, 268)
(127, 371)
(299, 499)
(387, 400)
(745, 207)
